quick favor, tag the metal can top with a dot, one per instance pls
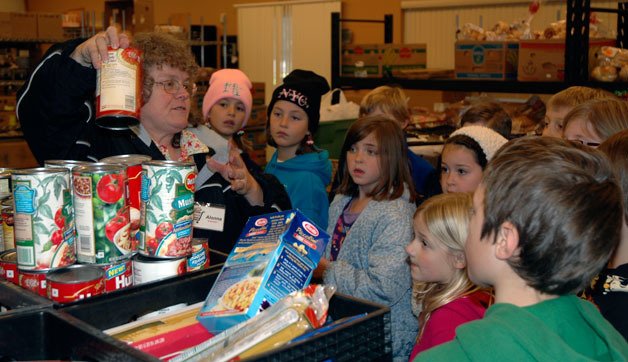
(148, 260)
(76, 273)
(5, 171)
(166, 163)
(9, 256)
(39, 171)
(128, 160)
(99, 167)
(69, 164)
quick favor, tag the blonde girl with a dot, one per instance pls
(592, 122)
(438, 268)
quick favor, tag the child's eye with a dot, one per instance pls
(296, 118)
(276, 114)
(352, 149)
(462, 171)
(444, 169)
(223, 104)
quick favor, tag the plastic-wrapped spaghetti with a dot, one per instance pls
(285, 320)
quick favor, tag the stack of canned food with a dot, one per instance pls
(82, 229)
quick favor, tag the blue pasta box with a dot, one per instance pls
(275, 255)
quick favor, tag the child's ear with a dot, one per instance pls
(405, 123)
(459, 260)
(507, 244)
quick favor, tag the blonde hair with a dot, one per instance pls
(575, 95)
(391, 100)
(446, 217)
(606, 116)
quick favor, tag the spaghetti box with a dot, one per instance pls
(544, 60)
(491, 60)
(274, 256)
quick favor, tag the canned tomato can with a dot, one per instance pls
(69, 164)
(102, 218)
(33, 280)
(118, 275)
(119, 89)
(7, 224)
(5, 182)
(199, 259)
(167, 208)
(147, 269)
(74, 283)
(43, 221)
(8, 266)
(133, 165)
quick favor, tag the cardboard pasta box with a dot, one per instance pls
(494, 60)
(274, 256)
(544, 60)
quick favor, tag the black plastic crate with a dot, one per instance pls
(14, 298)
(48, 335)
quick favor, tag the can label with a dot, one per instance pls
(199, 259)
(5, 183)
(167, 208)
(118, 88)
(102, 219)
(34, 281)
(8, 266)
(74, 283)
(118, 275)
(43, 219)
(148, 269)
(7, 227)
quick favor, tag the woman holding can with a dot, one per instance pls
(56, 111)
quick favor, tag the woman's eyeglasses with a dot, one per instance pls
(586, 143)
(172, 86)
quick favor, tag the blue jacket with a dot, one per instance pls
(372, 263)
(305, 177)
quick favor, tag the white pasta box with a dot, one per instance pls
(274, 256)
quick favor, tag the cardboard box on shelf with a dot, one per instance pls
(18, 25)
(397, 57)
(259, 93)
(258, 116)
(256, 135)
(495, 60)
(49, 26)
(361, 60)
(544, 60)
(376, 60)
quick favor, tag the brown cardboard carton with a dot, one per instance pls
(259, 93)
(361, 60)
(258, 116)
(49, 26)
(544, 60)
(495, 60)
(18, 25)
(397, 57)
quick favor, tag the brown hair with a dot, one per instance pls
(490, 114)
(391, 100)
(568, 220)
(575, 95)
(606, 116)
(616, 149)
(393, 161)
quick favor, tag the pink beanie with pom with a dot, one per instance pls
(228, 83)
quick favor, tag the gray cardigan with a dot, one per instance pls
(371, 263)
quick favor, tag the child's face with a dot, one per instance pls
(554, 118)
(363, 163)
(288, 124)
(227, 116)
(579, 130)
(459, 170)
(429, 259)
(478, 251)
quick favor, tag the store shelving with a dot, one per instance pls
(576, 59)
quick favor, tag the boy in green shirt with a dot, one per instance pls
(545, 220)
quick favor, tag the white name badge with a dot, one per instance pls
(209, 217)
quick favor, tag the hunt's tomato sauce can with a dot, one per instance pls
(199, 259)
(43, 223)
(167, 208)
(133, 165)
(74, 283)
(102, 218)
(8, 266)
(118, 275)
(118, 89)
(33, 280)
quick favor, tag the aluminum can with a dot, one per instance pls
(7, 223)
(199, 259)
(33, 280)
(75, 282)
(147, 269)
(118, 275)
(8, 266)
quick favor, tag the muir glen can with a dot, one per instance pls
(167, 208)
(8, 266)
(43, 223)
(102, 217)
(118, 89)
(118, 275)
(133, 165)
(199, 259)
(74, 283)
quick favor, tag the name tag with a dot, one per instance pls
(209, 216)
